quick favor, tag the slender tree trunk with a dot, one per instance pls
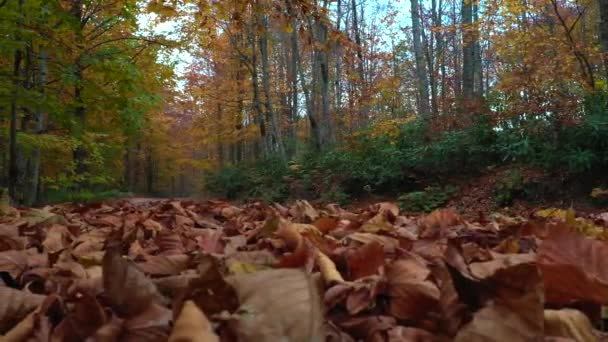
(257, 104)
(338, 57)
(421, 73)
(274, 122)
(34, 165)
(468, 52)
(478, 69)
(13, 173)
(360, 64)
(603, 4)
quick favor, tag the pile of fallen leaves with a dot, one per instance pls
(210, 271)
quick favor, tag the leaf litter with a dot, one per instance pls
(210, 271)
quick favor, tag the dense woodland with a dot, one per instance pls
(309, 98)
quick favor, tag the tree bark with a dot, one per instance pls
(360, 66)
(603, 29)
(468, 51)
(421, 71)
(277, 139)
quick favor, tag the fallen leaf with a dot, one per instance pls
(390, 244)
(569, 323)
(365, 260)
(161, 265)
(573, 267)
(368, 328)
(328, 268)
(22, 331)
(16, 305)
(210, 291)
(411, 293)
(410, 334)
(278, 305)
(326, 224)
(378, 224)
(152, 324)
(128, 289)
(192, 325)
(85, 318)
(516, 314)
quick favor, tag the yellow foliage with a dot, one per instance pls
(582, 225)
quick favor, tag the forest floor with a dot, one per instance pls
(151, 269)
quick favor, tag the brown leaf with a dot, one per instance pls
(390, 244)
(356, 296)
(569, 323)
(326, 224)
(368, 328)
(573, 267)
(169, 243)
(378, 224)
(278, 305)
(14, 262)
(128, 289)
(437, 223)
(453, 310)
(515, 314)
(192, 325)
(110, 331)
(85, 318)
(152, 324)
(160, 265)
(365, 260)
(211, 242)
(486, 269)
(23, 330)
(409, 334)
(210, 291)
(16, 305)
(412, 294)
(304, 212)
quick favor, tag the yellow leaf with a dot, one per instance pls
(192, 325)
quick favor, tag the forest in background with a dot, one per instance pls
(314, 99)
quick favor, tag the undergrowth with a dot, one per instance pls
(401, 163)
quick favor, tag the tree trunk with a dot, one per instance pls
(13, 171)
(33, 176)
(604, 33)
(478, 69)
(272, 115)
(338, 56)
(360, 66)
(421, 73)
(468, 51)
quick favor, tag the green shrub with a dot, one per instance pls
(229, 182)
(428, 200)
(509, 188)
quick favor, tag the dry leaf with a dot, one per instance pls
(192, 326)
(412, 294)
(516, 314)
(15, 305)
(569, 323)
(152, 324)
(278, 305)
(365, 260)
(573, 267)
(128, 289)
(160, 265)
(328, 268)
